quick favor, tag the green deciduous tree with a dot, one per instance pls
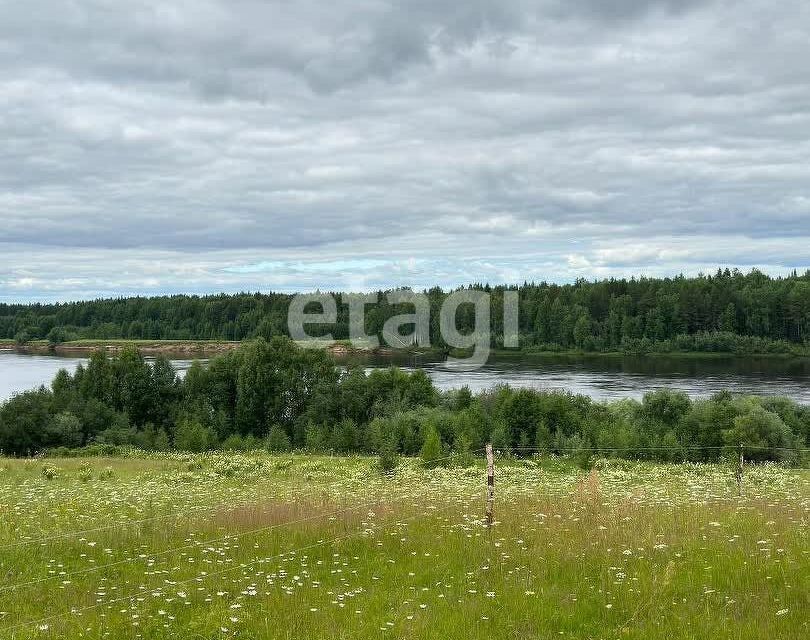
(432, 453)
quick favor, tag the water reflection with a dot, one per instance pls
(600, 378)
(609, 378)
(21, 372)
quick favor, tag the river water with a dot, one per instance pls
(21, 372)
(602, 378)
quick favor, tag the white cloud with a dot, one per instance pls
(251, 144)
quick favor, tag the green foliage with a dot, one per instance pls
(85, 473)
(650, 534)
(728, 311)
(278, 396)
(274, 382)
(66, 429)
(462, 452)
(26, 423)
(317, 437)
(346, 437)
(108, 473)
(543, 438)
(665, 406)
(432, 452)
(388, 460)
(157, 439)
(49, 472)
(193, 436)
(58, 335)
(462, 399)
(235, 442)
(278, 439)
(580, 452)
(501, 440)
(702, 427)
(762, 434)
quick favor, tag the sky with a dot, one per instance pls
(224, 145)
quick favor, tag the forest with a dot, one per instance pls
(728, 311)
(279, 396)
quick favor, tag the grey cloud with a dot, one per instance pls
(623, 9)
(225, 49)
(448, 132)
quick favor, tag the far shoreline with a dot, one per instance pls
(212, 348)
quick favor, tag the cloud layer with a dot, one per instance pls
(244, 144)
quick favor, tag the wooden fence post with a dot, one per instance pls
(739, 473)
(490, 485)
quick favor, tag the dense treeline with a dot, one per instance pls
(276, 395)
(725, 312)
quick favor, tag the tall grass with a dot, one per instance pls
(254, 546)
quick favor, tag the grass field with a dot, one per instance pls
(227, 545)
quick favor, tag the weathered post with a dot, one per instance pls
(739, 472)
(490, 485)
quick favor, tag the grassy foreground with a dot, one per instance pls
(256, 546)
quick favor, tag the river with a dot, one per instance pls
(602, 378)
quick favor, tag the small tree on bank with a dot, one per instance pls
(431, 453)
(191, 435)
(388, 460)
(277, 439)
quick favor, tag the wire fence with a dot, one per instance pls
(730, 448)
(795, 457)
(209, 574)
(330, 515)
(197, 544)
(175, 514)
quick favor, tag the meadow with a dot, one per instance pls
(252, 545)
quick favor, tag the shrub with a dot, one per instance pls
(283, 465)
(58, 335)
(277, 439)
(388, 459)
(60, 452)
(65, 428)
(431, 453)
(107, 474)
(762, 434)
(193, 436)
(49, 472)
(462, 454)
(500, 438)
(233, 442)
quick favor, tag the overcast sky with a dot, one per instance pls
(220, 145)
